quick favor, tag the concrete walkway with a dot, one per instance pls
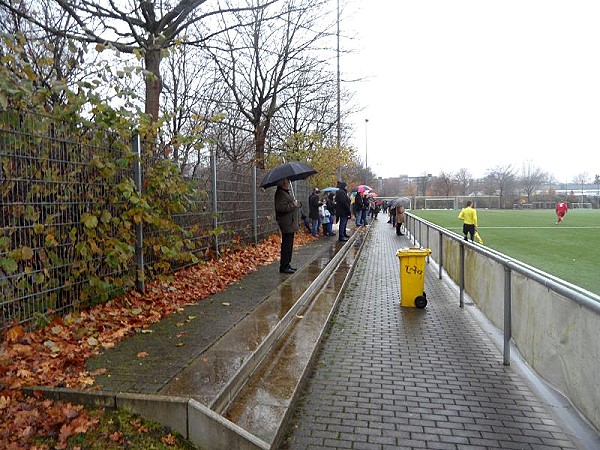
(405, 378)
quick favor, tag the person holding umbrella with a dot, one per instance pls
(288, 218)
(286, 206)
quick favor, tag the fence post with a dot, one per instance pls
(139, 230)
(441, 252)
(462, 275)
(254, 206)
(507, 314)
(213, 165)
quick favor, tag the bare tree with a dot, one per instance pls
(501, 180)
(443, 184)
(464, 181)
(263, 63)
(144, 28)
(532, 178)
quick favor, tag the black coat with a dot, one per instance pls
(313, 206)
(342, 204)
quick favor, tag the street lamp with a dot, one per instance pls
(366, 145)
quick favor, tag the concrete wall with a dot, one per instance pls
(557, 336)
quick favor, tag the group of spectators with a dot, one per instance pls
(334, 206)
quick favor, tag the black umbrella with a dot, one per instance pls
(292, 170)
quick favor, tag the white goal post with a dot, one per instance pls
(581, 205)
(440, 202)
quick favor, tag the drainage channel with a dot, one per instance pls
(263, 403)
(216, 375)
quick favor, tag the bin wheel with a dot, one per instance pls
(421, 301)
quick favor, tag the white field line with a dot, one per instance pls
(544, 227)
(530, 228)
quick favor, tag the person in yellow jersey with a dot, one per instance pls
(469, 216)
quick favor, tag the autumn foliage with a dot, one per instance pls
(55, 356)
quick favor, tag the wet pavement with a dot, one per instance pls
(386, 377)
(390, 377)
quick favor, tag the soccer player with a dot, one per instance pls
(561, 210)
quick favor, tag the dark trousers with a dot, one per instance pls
(287, 247)
(469, 229)
(342, 226)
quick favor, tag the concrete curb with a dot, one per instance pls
(194, 421)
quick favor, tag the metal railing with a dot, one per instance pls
(554, 324)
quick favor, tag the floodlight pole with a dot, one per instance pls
(339, 124)
(366, 146)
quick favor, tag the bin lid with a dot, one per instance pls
(407, 251)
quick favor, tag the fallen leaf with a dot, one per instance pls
(168, 439)
(14, 334)
(142, 354)
(4, 402)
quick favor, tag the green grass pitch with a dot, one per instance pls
(570, 251)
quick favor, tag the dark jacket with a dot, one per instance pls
(286, 213)
(358, 202)
(330, 204)
(342, 203)
(313, 206)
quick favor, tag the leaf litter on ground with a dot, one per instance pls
(55, 356)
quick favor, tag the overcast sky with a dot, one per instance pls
(476, 84)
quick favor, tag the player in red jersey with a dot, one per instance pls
(561, 210)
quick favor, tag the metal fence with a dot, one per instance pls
(56, 182)
(553, 324)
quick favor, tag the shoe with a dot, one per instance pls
(292, 268)
(343, 239)
(286, 270)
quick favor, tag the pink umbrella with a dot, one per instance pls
(362, 188)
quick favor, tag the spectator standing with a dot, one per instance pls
(288, 218)
(325, 217)
(342, 209)
(313, 211)
(399, 219)
(358, 209)
(365, 213)
(330, 205)
(392, 211)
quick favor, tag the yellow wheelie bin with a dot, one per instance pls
(412, 276)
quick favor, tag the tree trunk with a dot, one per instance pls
(153, 83)
(259, 145)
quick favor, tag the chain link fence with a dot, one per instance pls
(63, 195)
